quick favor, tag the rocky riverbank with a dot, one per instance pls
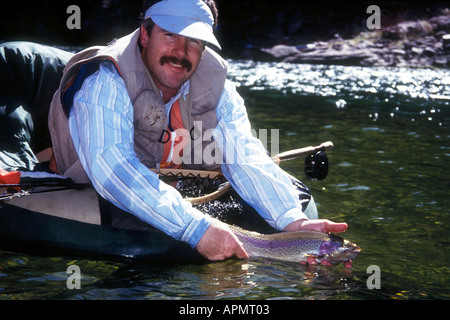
(420, 43)
(413, 33)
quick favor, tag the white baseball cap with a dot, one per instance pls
(188, 18)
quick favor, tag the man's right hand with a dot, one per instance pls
(219, 243)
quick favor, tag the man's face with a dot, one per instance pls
(170, 58)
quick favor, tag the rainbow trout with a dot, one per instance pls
(297, 246)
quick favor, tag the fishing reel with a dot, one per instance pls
(316, 166)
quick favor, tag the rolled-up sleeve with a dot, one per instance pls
(251, 172)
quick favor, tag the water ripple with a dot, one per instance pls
(333, 80)
(389, 92)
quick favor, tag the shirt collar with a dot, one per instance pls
(184, 90)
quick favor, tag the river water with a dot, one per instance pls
(389, 179)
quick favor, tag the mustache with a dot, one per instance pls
(183, 62)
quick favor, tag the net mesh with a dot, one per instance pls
(194, 185)
(224, 206)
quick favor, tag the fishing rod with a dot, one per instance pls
(27, 188)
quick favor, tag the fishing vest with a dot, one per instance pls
(150, 119)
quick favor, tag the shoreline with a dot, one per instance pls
(414, 44)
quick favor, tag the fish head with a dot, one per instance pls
(336, 250)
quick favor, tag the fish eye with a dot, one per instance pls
(347, 244)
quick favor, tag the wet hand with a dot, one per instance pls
(219, 243)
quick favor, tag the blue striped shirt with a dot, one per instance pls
(101, 126)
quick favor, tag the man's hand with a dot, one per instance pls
(219, 243)
(322, 225)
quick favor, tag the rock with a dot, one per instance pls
(281, 51)
(440, 22)
(417, 51)
(429, 51)
(446, 42)
(337, 46)
(407, 29)
(438, 46)
(399, 52)
(364, 44)
(331, 56)
(440, 61)
(306, 47)
(422, 43)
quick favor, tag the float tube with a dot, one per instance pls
(56, 217)
(67, 223)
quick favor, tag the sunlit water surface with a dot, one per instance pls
(389, 180)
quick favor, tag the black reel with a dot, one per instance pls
(316, 166)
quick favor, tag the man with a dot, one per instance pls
(118, 108)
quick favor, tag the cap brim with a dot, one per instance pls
(185, 27)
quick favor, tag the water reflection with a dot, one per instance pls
(395, 91)
(337, 80)
(236, 279)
